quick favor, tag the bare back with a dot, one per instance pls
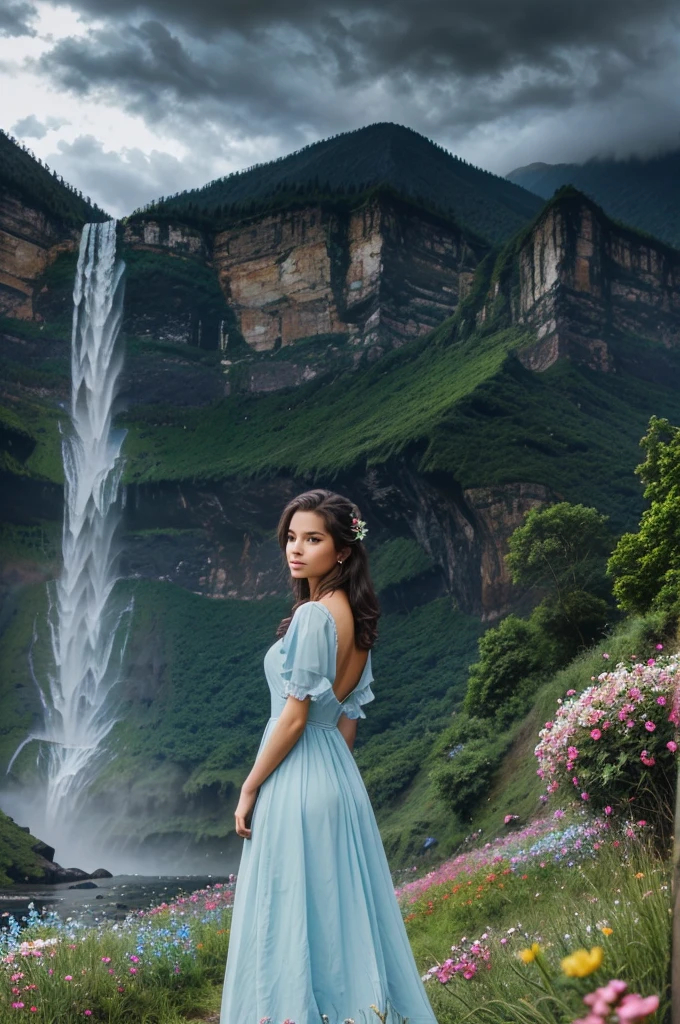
(351, 660)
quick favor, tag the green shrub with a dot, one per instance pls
(462, 780)
(509, 652)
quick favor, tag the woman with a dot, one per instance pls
(317, 936)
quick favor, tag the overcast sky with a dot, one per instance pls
(129, 101)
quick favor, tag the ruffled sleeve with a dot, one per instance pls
(361, 694)
(309, 653)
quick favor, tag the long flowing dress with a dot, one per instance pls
(317, 935)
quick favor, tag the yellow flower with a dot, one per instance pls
(527, 955)
(606, 930)
(640, 874)
(581, 962)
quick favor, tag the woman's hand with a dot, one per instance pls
(244, 811)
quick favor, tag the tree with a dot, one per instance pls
(563, 548)
(646, 565)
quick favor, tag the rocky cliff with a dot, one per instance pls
(365, 281)
(583, 283)
(30, 241)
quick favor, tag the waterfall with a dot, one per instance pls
(87, 630)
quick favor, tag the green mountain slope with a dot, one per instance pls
(643, 193)
(41, 188)
(378, 154)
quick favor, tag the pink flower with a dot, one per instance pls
(642, 821)
(558, 813)
(595, 734)
(573, 753)
(584, 796)
(605, 656)
(133, 970)
(633, 1007)
(650, 726)
(570, 693)
(672, 746)
(661, 700)
(659, 647)
(607, 809)
(68, 977)
(630, 723)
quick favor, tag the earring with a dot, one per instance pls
(340, 561)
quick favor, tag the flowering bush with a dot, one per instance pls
(616, 741)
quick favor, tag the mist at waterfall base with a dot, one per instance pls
(87, 625)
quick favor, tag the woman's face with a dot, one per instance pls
(310, 550)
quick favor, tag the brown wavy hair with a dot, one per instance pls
(353, 576)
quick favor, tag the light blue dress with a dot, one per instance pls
(316, 931)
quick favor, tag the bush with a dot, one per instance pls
(616, 741)
(461, 781)
(509, 652)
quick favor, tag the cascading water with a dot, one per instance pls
(88, 632)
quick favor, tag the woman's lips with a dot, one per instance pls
(297, 563)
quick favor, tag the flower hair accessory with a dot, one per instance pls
(359, 527)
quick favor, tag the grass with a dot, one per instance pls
(563, 907)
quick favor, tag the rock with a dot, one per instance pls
(101, 873)
(44, 850)
(85, 885)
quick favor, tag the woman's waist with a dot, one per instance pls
(312, 722)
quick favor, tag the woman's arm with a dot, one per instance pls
(289, 727)
(348, 728)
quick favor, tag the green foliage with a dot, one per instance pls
(17, 859)
(398, 560)
(561, 546)
(509, 653)
(41, 188)
(569, 623)
(162, 283)
(646, 565)
(462, 780)
(346, 169)
(641, 192)
(392, 765)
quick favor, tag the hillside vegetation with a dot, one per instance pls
(643, 193)
(347, 166)
(42, 188)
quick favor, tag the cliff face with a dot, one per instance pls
(584, 281)
(216, 551)
(29, 242)
(364, 281)
(382, 274)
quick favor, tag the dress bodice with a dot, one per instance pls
(303, 664)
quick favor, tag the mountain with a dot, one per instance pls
(510, 378)
(25, 176)
(347, 165)
(640, 192)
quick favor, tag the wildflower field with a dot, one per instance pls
(566, 919)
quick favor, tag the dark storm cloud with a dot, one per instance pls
(271, 62)
(469, 37)
(16, 17)
(245, 82)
